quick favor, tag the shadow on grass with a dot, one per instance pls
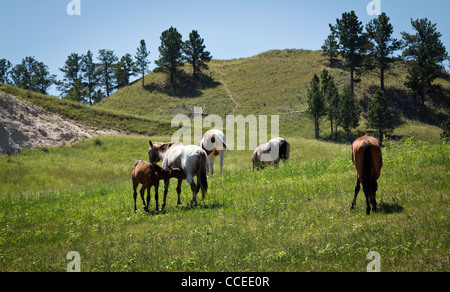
(185, 86)
(188, 207)
(390, 208)
(210, 206)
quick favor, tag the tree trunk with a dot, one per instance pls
(331, 124)
(194, 66)
(381, 136)
(352, 80)
(143, 81)
(316, 127)
(382, 80)
(336, 131)
(172, 73)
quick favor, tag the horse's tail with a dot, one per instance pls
(202, 172)
(367, 166)
(285, 150)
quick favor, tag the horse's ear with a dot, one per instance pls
(151, 144)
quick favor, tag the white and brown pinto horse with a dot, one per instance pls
(368, 160)
(192, 160)
(214, 145)
(271, 153)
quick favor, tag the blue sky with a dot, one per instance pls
(231, 28)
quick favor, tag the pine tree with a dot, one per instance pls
(125, 68)
(171, 53)
(196, 55)
(32, 75)
(379, 32)
(331, 46)
(90, 76)
(352, 42)
(106, 71)
(316, 104)
(349, 111)
(41, 78)
(5, 67)
(415, 84)
(331, 95)
(379, 115)
(427, 52)
(71, 85)
(142, 61)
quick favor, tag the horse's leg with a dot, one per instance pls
(194, 188)
(135, 185)
(222, 156)
(142, 195)
(373, 200)
(166, 190)
(156, 194)
(180, 181)
(149, 187)
(367, 204)
(357, 189)
(212, 160)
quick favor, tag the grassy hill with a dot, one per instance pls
(276, 82)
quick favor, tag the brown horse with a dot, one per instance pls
(367, 157)
(149, 175)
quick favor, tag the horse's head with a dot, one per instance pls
(153, 155)
(157, 151)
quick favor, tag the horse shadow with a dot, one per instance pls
(186, 208)
(390, 208)
(208, 206)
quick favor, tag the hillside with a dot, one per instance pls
(92, 117)
(276, 82)
(25, 125)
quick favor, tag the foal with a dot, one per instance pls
(149, 175)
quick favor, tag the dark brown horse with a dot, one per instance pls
(367, 157)
(149, 175)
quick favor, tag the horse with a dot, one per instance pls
(192, 160)
(149, 175)
(368, 160)
(271, 153)
(213, 143)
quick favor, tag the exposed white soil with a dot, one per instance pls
(25, 125)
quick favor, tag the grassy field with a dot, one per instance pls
(295, 218)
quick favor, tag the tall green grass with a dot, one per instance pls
(294, 218)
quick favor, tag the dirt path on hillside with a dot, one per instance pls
(229, 93)
(23, 124)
